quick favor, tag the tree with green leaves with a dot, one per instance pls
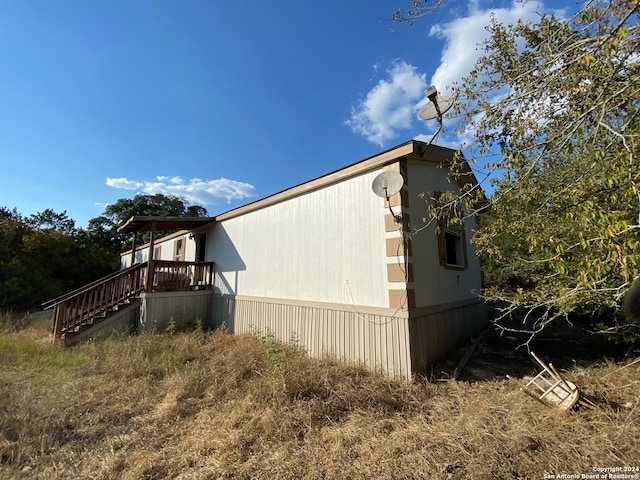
(41, 257)
(45, 255)
(554, 106)
(52, 221)
(156, 205)
(104, 228)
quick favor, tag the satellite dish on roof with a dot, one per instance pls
(434, 110)
(387, 183)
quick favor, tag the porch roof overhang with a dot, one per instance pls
(143, 223)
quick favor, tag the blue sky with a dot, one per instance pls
(218, 101)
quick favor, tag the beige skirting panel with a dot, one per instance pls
(182, 309)
(436, 333)
(378, 341)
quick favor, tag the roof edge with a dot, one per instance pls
(412, 148)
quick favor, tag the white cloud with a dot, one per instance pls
(390, 105)
(123, 183)
(195, 191)
(464, 35)
(171, 180)
(463, 39)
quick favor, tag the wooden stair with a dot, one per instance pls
(121, 319)
(87, 307)
(92, 307)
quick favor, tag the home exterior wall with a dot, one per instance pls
(376, 338)
(448, 310)
(166, 245)
(324, 264)
(434, 284)
(314, 269)
(324, 246)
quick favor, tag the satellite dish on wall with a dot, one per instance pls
(387, 184)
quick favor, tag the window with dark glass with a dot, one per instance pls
(452, 248)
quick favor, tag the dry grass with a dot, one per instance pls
(199, 406)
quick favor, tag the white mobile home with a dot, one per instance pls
(334, 266)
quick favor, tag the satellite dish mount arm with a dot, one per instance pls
(432, 94)
(396, 218)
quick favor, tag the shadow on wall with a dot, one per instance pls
(227, 260)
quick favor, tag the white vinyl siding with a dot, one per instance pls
(327, 245)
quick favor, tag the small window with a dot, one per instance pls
(452, 247)
(157, 250)
(178, 250)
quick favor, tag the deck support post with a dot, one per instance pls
(57, 325)
(148, 284)
(133, 248)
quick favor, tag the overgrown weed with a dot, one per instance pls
(29, 354)
(214, 405)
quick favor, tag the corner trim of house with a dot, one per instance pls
(391, 226)
(403, 299)
(400, 272)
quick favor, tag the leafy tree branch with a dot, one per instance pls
(556, 102)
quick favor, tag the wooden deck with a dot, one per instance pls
(93, 303)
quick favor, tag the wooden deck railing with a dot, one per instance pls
(173, 275)
(93, 302)
(87, 304)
